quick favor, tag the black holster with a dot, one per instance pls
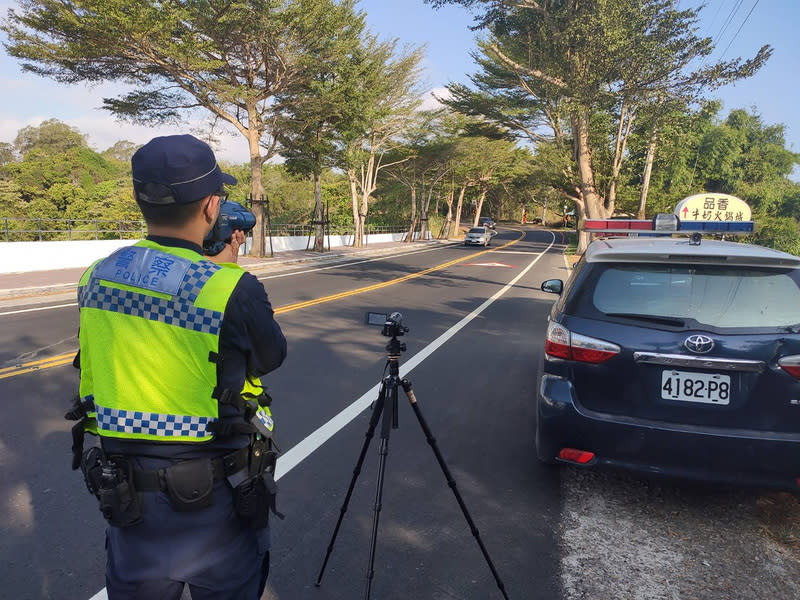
(110, 479)
(254, 497)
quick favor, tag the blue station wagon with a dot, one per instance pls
(675, 357)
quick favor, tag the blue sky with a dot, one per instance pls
(445, 32)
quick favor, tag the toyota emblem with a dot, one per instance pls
(701, 344)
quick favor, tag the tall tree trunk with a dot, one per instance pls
(592, 206)
(319, 215)
(423, 214)
(446, 228)
(458, 210)
(362, 213)
(412, 227)
(256, 190)
(368, 183)
(648, 170)
(358, 223)
(623, 131)
(479, 206)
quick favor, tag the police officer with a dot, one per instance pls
(172, 345)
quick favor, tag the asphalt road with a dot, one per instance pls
(473, 349)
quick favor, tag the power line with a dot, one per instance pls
(740, 28)
(716, 14)
(728, 21)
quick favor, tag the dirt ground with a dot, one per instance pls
(625, 538)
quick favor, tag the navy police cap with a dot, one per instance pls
(176, 169)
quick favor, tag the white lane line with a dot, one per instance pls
(514, 252)
(357, 262)
(27, 310)
(303, 449)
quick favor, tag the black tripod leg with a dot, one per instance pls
(373, 422)
(386, 428)
(451, 482)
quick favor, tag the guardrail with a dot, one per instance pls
(30, 230)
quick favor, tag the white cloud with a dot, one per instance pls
(429, 101)
(103, 131)
(78, 106)
(16, 85)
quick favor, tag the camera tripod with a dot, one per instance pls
(389, 394)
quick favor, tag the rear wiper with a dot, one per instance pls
(674, 321)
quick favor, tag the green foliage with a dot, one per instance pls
(121, 151)
(781, 233)
(6, 153)
(318, 107)
(52, 136)
(291, 196)
(41, 169)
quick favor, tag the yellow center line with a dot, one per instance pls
(65, 359)
(383, 284)
(39, 362)
(55, 361)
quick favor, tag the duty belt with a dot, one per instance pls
(221, 468)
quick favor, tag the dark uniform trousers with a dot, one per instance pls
(210, 550)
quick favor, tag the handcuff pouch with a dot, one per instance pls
(190, 485)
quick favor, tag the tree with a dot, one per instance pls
(584, 69)
(323, 103)
(227, 57)
(122, 151)
(51, 136)
(385, 107)
(477, 162)
(421, 163)
(6, 153)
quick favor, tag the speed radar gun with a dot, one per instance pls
(386, 406)
(232, 216)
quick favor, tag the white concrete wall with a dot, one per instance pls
(24, 257)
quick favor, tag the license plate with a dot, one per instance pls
(696, 387)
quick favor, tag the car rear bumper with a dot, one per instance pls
(660, 448)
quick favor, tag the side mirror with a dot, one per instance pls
(554, 286)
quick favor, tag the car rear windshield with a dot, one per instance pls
(476, 230)
(714, 296)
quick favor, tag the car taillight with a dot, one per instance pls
(557, 341)
(561, 343)
(790, 364)
(581, 457)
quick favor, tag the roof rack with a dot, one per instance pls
(666, 224)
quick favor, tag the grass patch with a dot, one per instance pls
(780, 518)
(571, 251)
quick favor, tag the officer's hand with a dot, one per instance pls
(230, 254)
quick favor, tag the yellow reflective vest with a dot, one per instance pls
(150, 322)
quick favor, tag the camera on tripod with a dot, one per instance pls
(232, 216)
(384, 409)
(393, 326)
(392, 323)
